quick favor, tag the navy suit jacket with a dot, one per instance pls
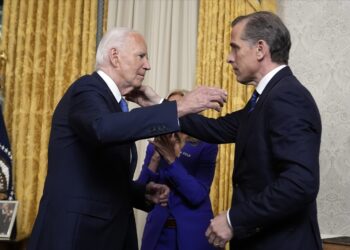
(189, 178)
(276, 168)
(89, 193)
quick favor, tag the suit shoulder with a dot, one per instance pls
(85, 80)
(88, 82)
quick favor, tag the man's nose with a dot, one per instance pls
(230, 58)
(147, 65)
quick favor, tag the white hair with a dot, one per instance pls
(114, 38)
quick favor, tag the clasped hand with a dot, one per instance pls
(219, 231)
(157, 193)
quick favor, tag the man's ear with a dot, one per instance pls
(261, 49)
(114, 56)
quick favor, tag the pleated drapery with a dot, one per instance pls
(48, 44)
(170, 30)
(214, 29)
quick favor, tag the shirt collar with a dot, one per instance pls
(266, 79)
(111, 85)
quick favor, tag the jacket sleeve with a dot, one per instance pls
(211, 130)
(194, 188)
(91, 117)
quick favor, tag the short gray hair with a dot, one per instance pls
(114, 38)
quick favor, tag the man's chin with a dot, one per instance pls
(244, 81)
(137, 87)
(136, 83)
(241, 81)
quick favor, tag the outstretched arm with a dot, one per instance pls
(195, 101)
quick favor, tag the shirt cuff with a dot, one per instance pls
(228, 218)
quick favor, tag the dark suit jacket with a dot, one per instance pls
(89, 193)
(276, 169)
(190, 178)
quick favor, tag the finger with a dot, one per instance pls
(222, 244)
(155, 143)
(216, 243)
(177, 136)
(208, 232)
(214, 105)
(164, 204)
(218, 95)
(165, 193)
(211, 238)
(163, 197)
(218, 98)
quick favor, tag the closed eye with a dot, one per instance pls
(143, 55)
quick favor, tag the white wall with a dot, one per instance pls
(320, 54)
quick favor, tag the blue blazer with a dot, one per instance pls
(276, 169)
(89, 193)
(189, 179)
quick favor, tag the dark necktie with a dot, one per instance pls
(124, 106)
(252, 101)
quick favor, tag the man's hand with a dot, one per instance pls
(219, 231)
(157, 193)
(200, 99)
(144, 96)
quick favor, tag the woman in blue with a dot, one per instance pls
(187, 166)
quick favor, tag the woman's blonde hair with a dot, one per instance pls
(180, 92)
(183, 92)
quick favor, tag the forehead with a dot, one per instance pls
(237, 31)
(136, 42)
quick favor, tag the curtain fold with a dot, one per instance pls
(48, 45)
(214, 30)
(170, 30)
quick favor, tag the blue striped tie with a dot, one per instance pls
(253, 100)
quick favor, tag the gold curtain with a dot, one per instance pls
(48, 43)
(214, 29)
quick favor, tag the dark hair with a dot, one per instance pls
(264, 25)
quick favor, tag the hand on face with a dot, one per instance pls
(154, 162)
(157, 193)
(143, 96)
(200, 99)
(168, 146)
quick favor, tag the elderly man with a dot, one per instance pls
(89, 194)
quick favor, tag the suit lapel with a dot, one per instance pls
(115, 107)
(107, 93)
(250, 119)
